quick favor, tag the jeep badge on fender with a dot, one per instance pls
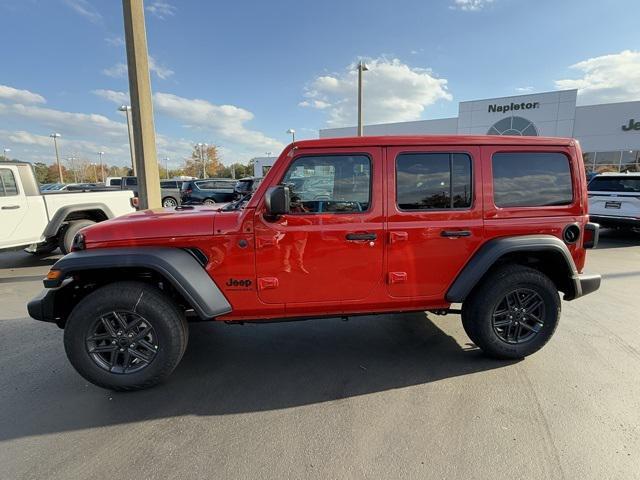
(338, 227)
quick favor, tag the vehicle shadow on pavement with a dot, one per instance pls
(610, 238)
(230, 369)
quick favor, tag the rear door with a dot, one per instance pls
(435, 220)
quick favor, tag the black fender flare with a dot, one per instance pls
(489, 253)
(61, 214)
(177, 266)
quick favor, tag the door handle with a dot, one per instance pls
(354, 237)
(10, 207)
(455, 233)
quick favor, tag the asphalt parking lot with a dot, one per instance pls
(391, 396)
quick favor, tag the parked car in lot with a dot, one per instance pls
(169, 192)
(338, 227)
(614, 200)
(246, 185)
(44, 221)
(209, 191)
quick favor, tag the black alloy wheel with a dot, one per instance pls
(122, 342)
(519, 316)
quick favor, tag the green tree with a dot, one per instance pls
(193, 166)
(41, 171)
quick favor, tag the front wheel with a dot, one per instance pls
(513, 313)
(125, 336)
(209, 202)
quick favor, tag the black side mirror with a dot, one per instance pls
(278, 200)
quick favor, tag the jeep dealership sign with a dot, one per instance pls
(632, 125)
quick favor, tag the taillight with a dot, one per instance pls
(591, 234)
(135, 202)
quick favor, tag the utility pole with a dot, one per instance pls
(361, 68)
(55, 137)
(132, 149)
(146, 162)
(166, 166)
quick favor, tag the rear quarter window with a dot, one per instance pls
(531, 179)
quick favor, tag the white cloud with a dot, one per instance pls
(115, 41)
(524, 89)
(223, 123)
(84, 8)
(161, 10)
(608, 78)
(20, 96)
(393, 92)
(119, 70)
(119, 98)
(160, 70)
(469, 5)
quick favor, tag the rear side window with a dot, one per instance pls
(8, 187)
(615, 184)
(531, 179)
(169, 184)
(427, 181)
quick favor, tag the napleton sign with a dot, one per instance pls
(513, 106)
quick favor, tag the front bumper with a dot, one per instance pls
(41, 307)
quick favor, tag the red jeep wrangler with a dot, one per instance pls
(338, 227)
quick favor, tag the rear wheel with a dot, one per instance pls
(66, 238)
(125, 336)
(513, 313)
(169, 202)
(209, 201)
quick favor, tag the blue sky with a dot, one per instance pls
(239, 74)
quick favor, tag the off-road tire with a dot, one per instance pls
(154, 306)
(479, 307)
(66, 237)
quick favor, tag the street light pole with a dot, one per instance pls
(55, 136)
(166, 166)
(293, 135)
(101, 165)
(73, 169)
(204, 161)
(5, 151)
(361, 68)
(132, 149)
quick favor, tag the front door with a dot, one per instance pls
(13, 208)
(330, 247)
(435, 217)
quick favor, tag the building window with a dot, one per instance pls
(514, 126)
(630, 161)
(589, 159)
(607, 162)
(426, 181)
(531, 179)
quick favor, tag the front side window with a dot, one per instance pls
(433, 181)
(8, 185)
(329, 184)
(531, 179)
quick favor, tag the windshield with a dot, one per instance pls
(615, 184)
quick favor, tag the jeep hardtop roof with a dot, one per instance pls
(435, 140)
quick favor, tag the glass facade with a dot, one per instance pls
(615, 161)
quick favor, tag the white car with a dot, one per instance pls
(614, 200)
(44, 221)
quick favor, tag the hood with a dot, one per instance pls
(158, 223)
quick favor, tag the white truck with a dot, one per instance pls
(42, 222)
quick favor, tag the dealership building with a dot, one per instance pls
(609, 133)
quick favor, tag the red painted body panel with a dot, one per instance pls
(301, 265)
